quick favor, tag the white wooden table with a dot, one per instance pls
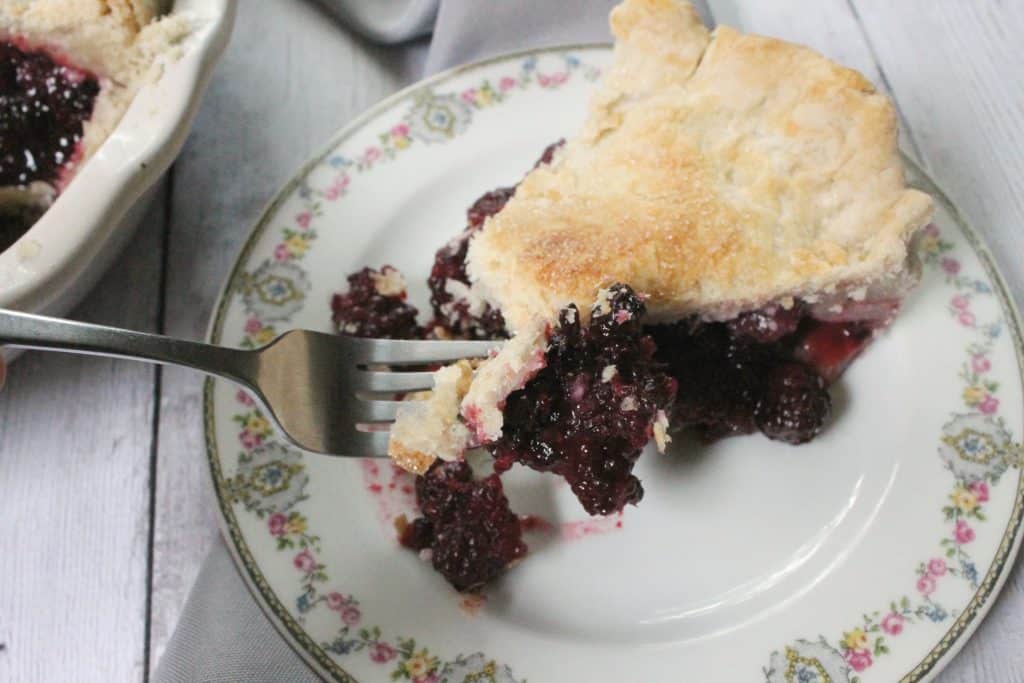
(103, 492)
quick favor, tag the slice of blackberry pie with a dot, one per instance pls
(728, 231)
(68, 71)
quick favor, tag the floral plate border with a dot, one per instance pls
(281, 283)
(977, 449)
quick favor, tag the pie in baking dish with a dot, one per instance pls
(68, 70)
(728, 230)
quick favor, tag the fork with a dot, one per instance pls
(328, 393)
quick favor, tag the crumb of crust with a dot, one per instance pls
(515, 364)
(409, 459)
(609, 373)
(429, 428)
(661, 437)
(389, 282)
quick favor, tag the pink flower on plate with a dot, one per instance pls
(937, 566)
(351, 615)
(281, 252)
(252, 326)
(305, 562)
(950, 265)
(926, 585)
(276, 524)
(429, 678)
(980, 491)
(931, 230)
(303, 219)
(892, 624)
(980, 364)
(859, 659)
(242, 397)
(249, 440)
(960, 302)
(966, 318)
(962, 532)
(382, 652)
(989, 405)
(371, 154)
(507, 83)
(336, 601)
(332, 193)
(469, 95)
(400, 130)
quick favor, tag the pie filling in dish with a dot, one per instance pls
(728, 231)
(68, 70)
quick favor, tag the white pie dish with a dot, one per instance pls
(55, 263)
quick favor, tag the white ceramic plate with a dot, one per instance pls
(55, 263)
(869, 555)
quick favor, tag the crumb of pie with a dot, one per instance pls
(427, 429)
(375, 306)
(467, 526)
(571, 421)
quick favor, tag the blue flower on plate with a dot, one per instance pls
(970, 572)
(936, 613)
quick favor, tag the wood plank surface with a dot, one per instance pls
(75, 449)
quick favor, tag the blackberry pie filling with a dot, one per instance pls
(726, 233)
(44, 105)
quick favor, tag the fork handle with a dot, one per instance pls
(54, 334)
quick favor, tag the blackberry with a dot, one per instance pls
(795, 404)
(467, 524)
(367, 311)
(767, 325)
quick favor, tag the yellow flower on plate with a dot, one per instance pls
(974, 395)
(264, 335)
(929, 244)
(964, 499)
(257, 424)
(420, 664)
(484, 97)
(295, 525)
(400, 142)
(297, 244)
(855, 639)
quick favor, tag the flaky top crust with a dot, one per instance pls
(716, 172)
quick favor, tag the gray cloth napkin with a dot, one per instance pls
(222, 635)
